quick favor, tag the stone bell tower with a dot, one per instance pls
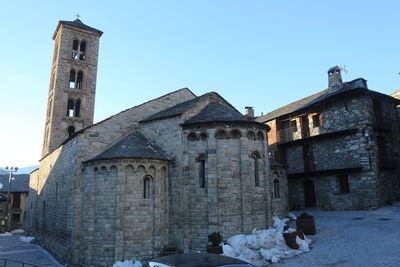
(72, 89)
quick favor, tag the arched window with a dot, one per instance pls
(251, 135)
(75, 45)
(192, 137)
(235, 134)
(203, 136)
(79, 80)
(72, 79)
(70, 108)
(71, 130)
(78, 50)
(276, 188)
(82, 50)
(260, 136)
(148, 187)
(77, 108)
(221, 134)
(256, 157)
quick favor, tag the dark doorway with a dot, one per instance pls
(309, 193)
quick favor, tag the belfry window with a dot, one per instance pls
(72, 79)
(78, 50)
(75, 79)
(78, 108)
(70, 108)
(74, 108)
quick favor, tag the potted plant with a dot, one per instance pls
(215, 239)
(306, 223)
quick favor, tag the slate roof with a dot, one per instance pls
(313, 99)
(78, 24)
(181, 108)
(134, 145)
(217, 112)
(20, 184)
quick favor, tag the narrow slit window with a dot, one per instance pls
(147, 187)
(276, 188)
(202, 173)
(71, 130)
(256, 156)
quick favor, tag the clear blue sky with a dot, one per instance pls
(263, 54)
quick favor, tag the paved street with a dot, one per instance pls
(353, 238)
(11, 248)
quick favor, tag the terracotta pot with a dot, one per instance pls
(214, 249)
(290, 239)
(306, 224)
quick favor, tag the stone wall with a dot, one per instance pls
(118, 221)
(279, 191)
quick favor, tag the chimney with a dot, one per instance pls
(334, 78)
(249, 112)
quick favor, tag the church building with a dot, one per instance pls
(164, 173)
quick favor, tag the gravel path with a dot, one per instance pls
(353, 238)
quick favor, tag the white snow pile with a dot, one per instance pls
(17, 231)
(127, 263)
(6, 234)
(264, 246)
(26, 239)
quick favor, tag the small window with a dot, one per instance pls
(71, 130)
(256, 157)
(148, 187)
(251, 135)
(70, 108)
(317, 120)
(235, 134)
(79, 80)
(260, 136)
(192, 137)
(75, 45)
(77, 112)
(72, 79)
(203, 136)
(293, 125)
(276, 188)
(344, 184)
(202, 173)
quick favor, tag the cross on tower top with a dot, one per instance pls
(77, 16)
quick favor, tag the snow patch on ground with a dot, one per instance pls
(26, 239)
(17, 231)
(6, 234)
(264, 246)
(127, 263)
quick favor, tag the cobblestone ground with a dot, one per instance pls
(353, 238)
(13, 251)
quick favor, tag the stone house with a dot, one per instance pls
(340, 146)
(17, 204)
(167, 172)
